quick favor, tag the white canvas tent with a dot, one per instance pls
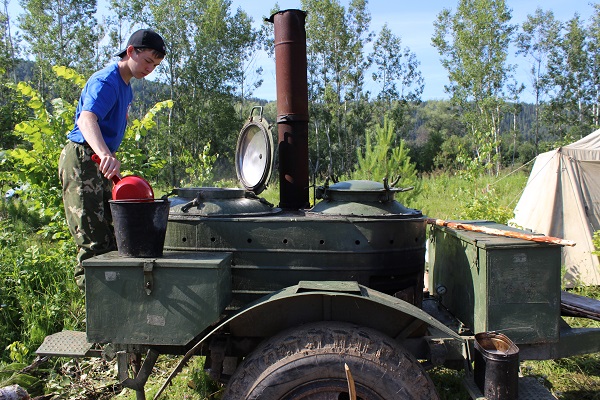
(561, 199)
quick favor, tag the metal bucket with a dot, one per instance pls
(140, 227)
(496, 370)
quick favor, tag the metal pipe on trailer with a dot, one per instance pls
(292, 107)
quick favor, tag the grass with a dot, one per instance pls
(449, 196)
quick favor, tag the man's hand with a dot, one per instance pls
(88, 124)
(109, 166)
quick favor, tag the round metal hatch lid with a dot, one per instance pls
(254, 154)
(217, 202)
(356, 190)
(361, 198)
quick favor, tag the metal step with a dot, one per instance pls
(67, 344)
(529, 389)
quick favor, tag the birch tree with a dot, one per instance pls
(10, 110)
(594, 50)
(336, 70)
(569, 112)
(538, 36)
(396, 70)
(473, 44)
(60, 32)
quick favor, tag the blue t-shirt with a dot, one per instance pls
(108, 96)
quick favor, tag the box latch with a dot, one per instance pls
(148, 278)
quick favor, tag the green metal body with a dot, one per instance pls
(274, 252)
(495, 283)
(161, 301)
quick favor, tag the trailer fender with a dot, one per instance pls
(312, 301)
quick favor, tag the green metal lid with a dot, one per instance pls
(361, 198)
(218, 202)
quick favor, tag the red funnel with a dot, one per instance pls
(130, 187)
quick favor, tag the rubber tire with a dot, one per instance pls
(307, 362)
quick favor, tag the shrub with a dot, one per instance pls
(383, 159)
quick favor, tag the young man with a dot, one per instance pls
(100, 122)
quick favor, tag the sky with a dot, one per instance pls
(410, 20)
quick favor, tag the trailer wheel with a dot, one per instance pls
(307, 362)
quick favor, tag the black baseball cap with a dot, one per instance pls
(145, 39)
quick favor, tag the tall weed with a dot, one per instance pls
(37, 290)
(446, 195)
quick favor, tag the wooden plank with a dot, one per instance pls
(501, 232)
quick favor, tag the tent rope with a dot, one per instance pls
(512, 172)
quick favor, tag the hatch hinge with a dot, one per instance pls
(148, 277)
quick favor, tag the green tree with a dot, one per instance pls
(11, 109)
(569, 112)
(594, 61)
(539, 35)
(339, 108)
(124, 14)
(60, 33)
(473, 43)
(9, 49)
(438, 123)
(248, 76)
(328, 63)
(358, 109)
(381, 159)
(207, 94)
(396, 72)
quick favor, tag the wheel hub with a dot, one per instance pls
(329, 389)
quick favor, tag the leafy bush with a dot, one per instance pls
(35, 163)
(38, 293)
(487, 207)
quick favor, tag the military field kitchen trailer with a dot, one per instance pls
(327, 301)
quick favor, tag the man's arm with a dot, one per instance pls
(88, 125)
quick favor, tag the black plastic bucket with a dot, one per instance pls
(496, 370)
(140, 227)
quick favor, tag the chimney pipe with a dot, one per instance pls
(292, 107)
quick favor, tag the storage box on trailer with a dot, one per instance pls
(155, 301)
(495, 283)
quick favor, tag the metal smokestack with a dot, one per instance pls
(292, 107)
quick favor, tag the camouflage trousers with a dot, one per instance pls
(85, 197)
